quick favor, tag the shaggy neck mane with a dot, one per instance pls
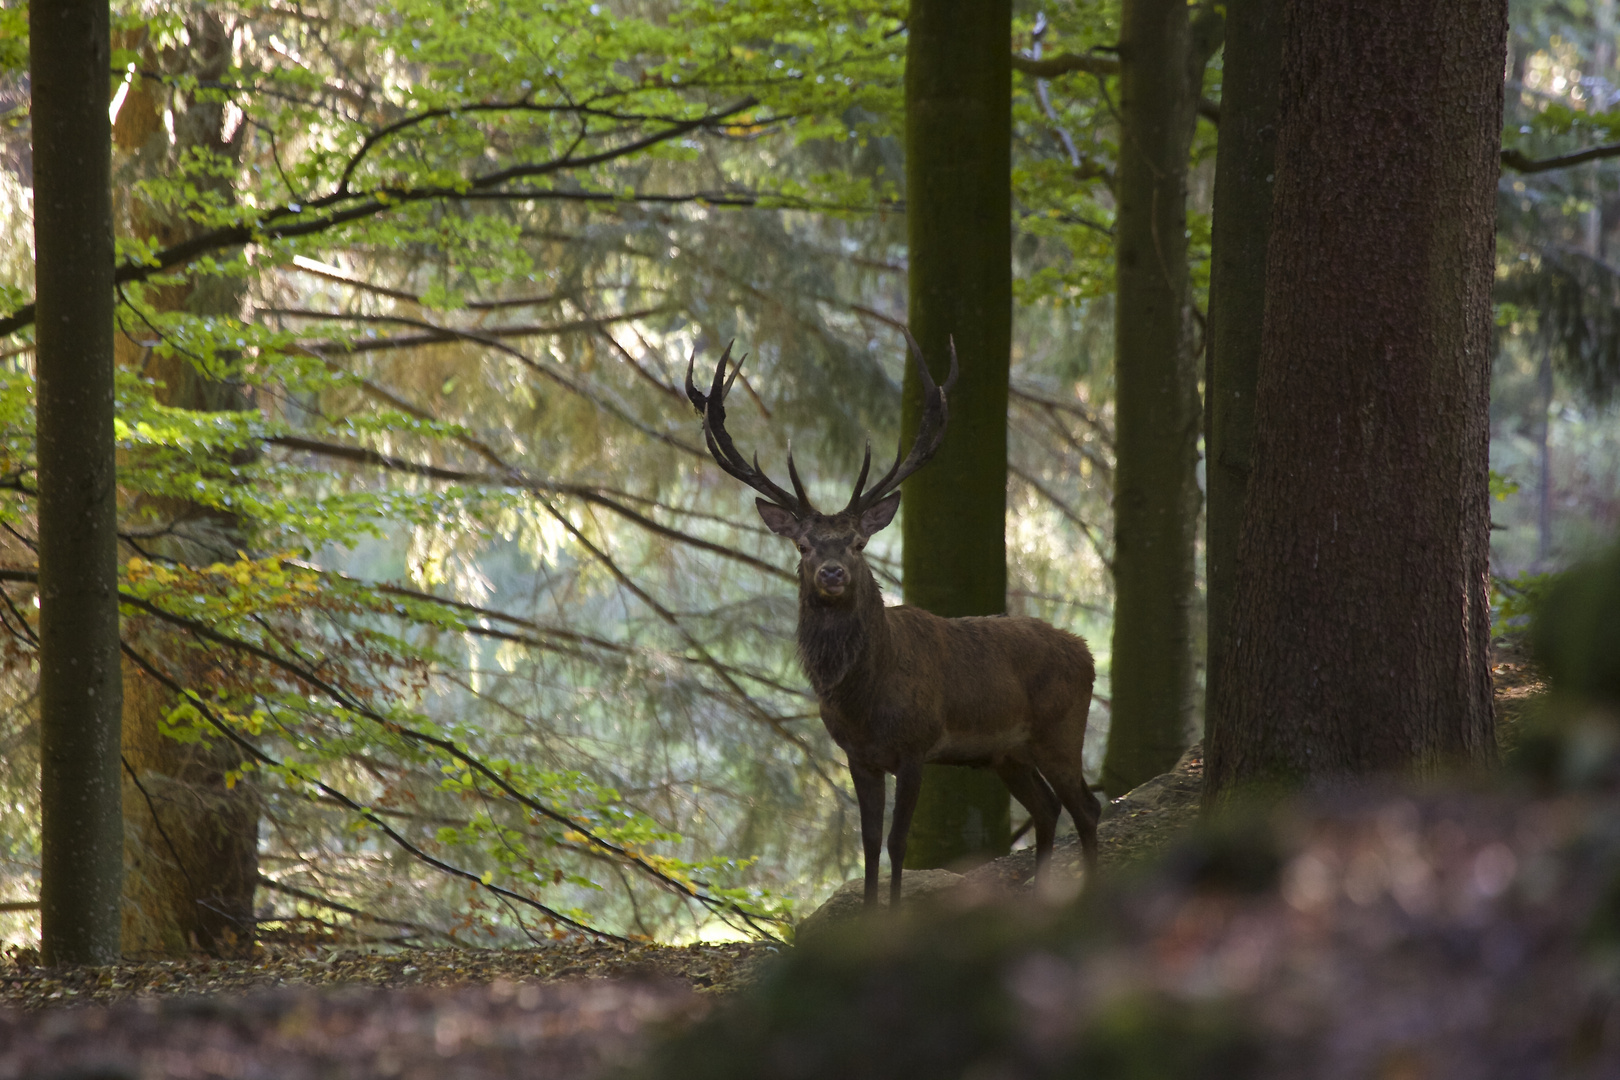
(835, 637)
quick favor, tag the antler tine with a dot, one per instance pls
(693, 394)
(793, 474)
(929, 386)
(860, 481)
(712, 408)
(930, 432)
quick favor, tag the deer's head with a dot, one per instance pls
(831, 565)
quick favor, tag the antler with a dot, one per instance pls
(712, 408)
(930, 434)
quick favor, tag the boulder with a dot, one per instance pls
(849, 900)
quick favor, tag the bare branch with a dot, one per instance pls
(269, 226)
(344, 700)
(1052, 67)
(515, 478)
(1067, 511)
(437, 333)
(1073, 408)
(761, 713)
(360, 809)
(326, 902)
(568, 382)
(1518, 161)
(364, 456)
(332, 273)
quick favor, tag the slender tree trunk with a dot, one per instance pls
(1156, 392)
(959, 228)
(80, 691)
(1603, 68)
(1359, 634)
(191, 842)
(1544, 385)
(1245, 164)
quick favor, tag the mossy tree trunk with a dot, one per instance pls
(79, 684)
(191, 842)
(1156, 496)
(1245, 167)
(959, 230)
(1359, 634)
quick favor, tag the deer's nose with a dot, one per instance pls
(832, 577)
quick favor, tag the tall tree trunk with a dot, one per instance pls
(1245, 167)
(80, 691)
(1358, 638)
(959, 228)
(1156, 393)
(191, 842)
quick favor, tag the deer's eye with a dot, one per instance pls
(804, 548)
(860, 545)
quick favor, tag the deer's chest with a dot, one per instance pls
(879, 731)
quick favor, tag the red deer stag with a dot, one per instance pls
(899, 686)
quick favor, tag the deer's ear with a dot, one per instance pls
(778, 520)
(880, 515)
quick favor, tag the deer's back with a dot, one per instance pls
(1028, 649)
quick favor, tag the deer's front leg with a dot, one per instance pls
(869, 794)
(907, 786)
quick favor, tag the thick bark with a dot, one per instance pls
(1245, 164)
(959, 228)
(191, 839)
(1156, 493)
(80, 692)
(1358, 638)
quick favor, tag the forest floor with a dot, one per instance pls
(1140, 825)
(395, 1014)
(705, 968)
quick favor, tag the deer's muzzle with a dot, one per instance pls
(832, 579)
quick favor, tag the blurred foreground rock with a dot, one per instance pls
(1576, 632)
(848, 901)
(558, 1031)
(1572, 736)
(1370, 934)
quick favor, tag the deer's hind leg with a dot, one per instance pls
(1081, 804)
(1037, 796)
(1061, 756)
